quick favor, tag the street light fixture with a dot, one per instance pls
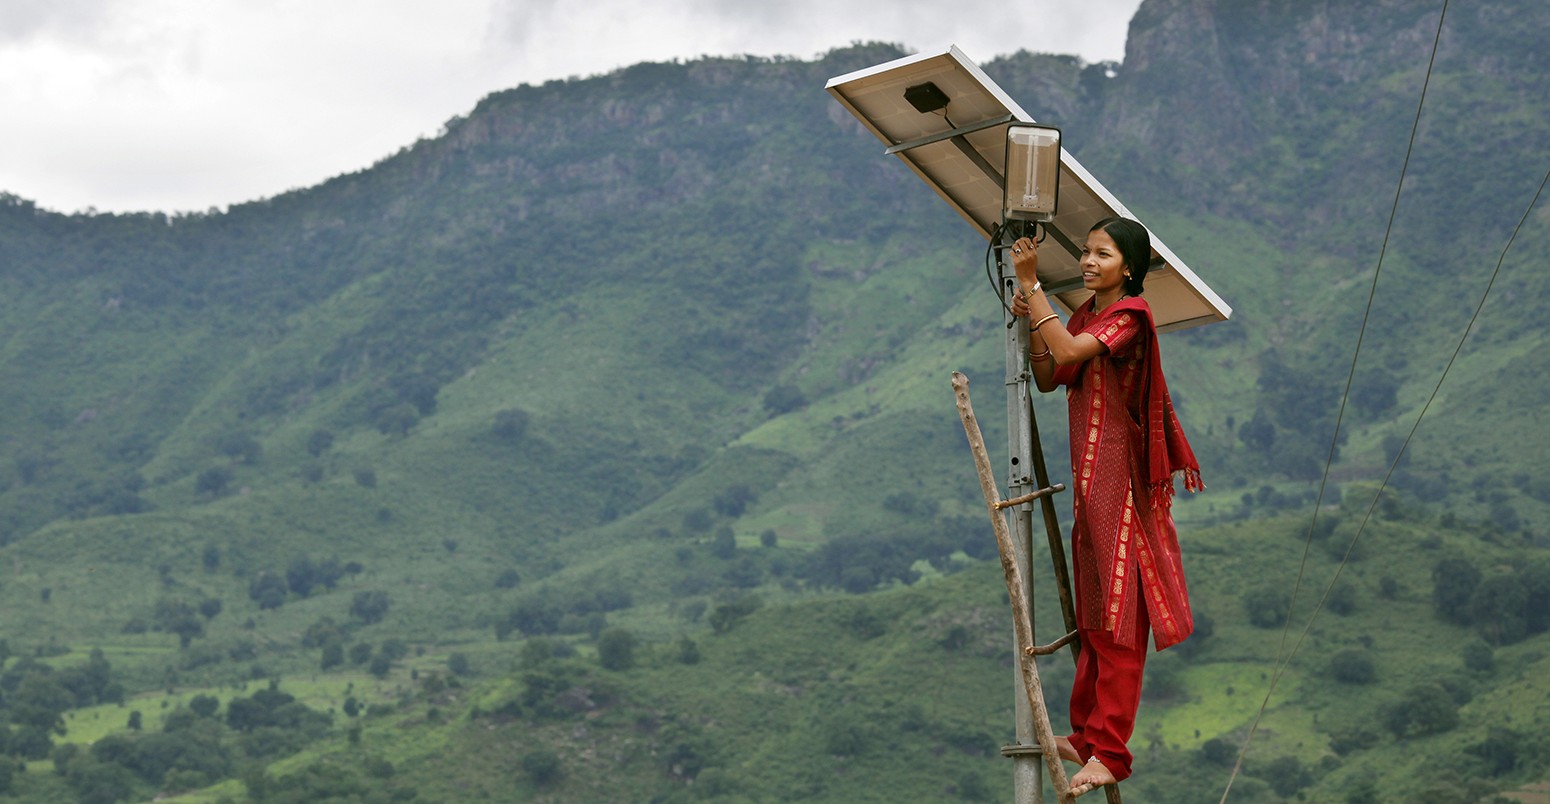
(1032, 173)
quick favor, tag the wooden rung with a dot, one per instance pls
(1028, 498)
(1045, 650)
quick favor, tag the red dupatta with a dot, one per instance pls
(1164, 449)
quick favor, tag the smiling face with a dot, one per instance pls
(1103, 267)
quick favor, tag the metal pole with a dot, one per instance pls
(1027, 764)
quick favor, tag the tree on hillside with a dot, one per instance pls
(784, 399)
(1454, 579)
(40, 700)
(333, 654)
(728, 614)
(857, 563)
(1535, 578)
(542, 767)
(240, 447)
(1286, 775)
(370, 606)
(214, 481)
(616, 649)
(734, 500)
(397, 420)
(1426, 708)
(1353, 666)
(267, 590)
(1266, 606)
(1498, 608)
(1375, 391)
(511, 425)
(178, 616)
(723, 543)
(210, 557)
(319, 442)
(204, 705)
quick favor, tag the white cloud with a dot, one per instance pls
(176, 105)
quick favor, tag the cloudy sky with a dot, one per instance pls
(178, 105)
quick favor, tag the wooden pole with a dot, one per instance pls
(1021, 622)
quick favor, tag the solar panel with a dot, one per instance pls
(958, 151)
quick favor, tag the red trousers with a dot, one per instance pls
(1106, 695)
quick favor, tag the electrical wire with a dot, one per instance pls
(1041, 232)
(1393, 465)
(1284, 658)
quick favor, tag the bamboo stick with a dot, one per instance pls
(1021, 623)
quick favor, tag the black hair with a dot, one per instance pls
(1135, 246)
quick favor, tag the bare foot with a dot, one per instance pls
(1093, 773)
(1066, 750)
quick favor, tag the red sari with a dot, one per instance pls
(1126, 446)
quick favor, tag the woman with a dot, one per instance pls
(1126, 445)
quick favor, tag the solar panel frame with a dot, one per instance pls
(960, 152)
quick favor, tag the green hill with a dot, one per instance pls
(601, 448)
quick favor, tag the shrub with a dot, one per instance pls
(511, 425)
(1266, 606)
(1454, 580)
(688, 650)
(319, 442)
(241, 447)
(1353, 666)
(1478, 656)
(1426, 708)
(723, 544)
(214, 481)
(1219, 752)
(729, 614)
(616, 649)
(1498, 606)
(1342, 600)
(370, 606)
(542, 766)
(733, 501)
(784, 399)
(1286, 775)
(698, 521)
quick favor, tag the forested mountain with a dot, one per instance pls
(601, 447)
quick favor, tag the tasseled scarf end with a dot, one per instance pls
(1162, 493)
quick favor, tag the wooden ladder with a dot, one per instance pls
(1022, 621)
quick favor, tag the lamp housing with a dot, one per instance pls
(1032, 173)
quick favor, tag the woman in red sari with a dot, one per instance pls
(1126, 446)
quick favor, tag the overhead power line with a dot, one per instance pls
(1284, 658)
